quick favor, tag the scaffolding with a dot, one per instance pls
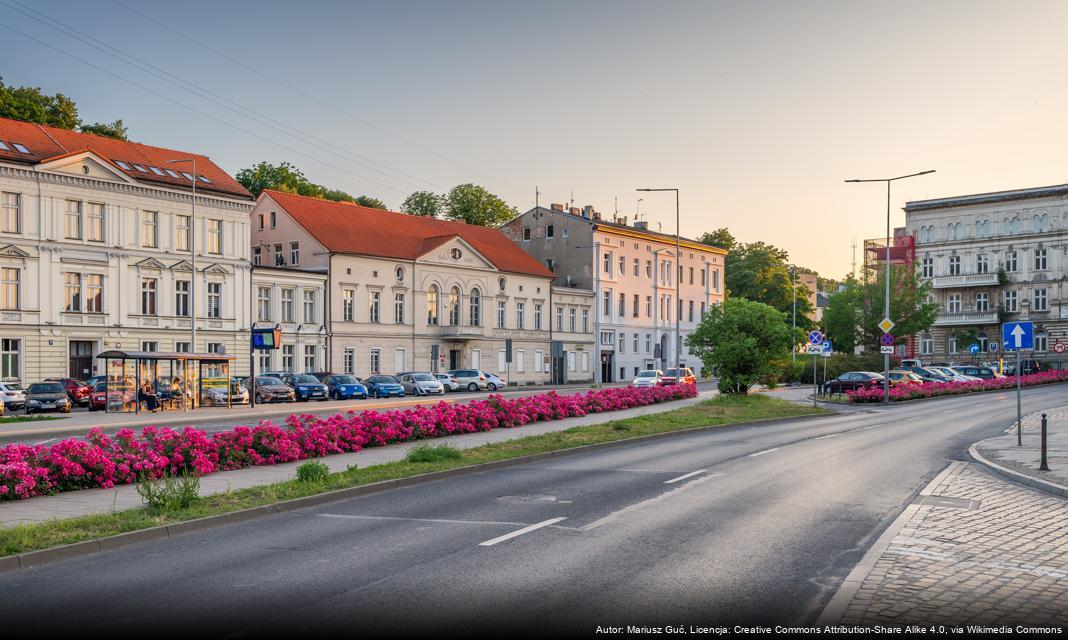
(902, 253)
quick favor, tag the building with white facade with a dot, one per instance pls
(96, 242)
(572, 335)
(633, 272)
(991, 258)
(294, 300)
(409, 293)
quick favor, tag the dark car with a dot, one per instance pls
(343, 387)
(321, 376)
(306, 386)
(852, 381)
(986, 373)
(927, 375)
(98, 399)
(47, 396)
(271, 389)
(384, 386)
(77, 390)
(1027, 367)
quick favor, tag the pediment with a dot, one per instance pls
(11, 251)
(182, 265)
(151, 263)
(453, 251)
(216, 269)
(86, 164)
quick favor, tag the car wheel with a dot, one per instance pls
(492, 386)
(472, 387)
(259, 399)
(66, 409)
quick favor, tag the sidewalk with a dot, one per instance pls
(96, 501)
(1003, 451)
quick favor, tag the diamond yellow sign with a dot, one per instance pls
(886, 325)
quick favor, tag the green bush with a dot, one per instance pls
(169, 493)
(427, 453)
(838, 364)
(313, 471)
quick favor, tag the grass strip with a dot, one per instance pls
(722, 410)
(25, 418)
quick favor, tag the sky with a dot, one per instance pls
(756, 111)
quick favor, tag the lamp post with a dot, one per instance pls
(886, 302)
(678, 281)
(793, 274)
(192, 258)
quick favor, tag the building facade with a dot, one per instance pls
(96, 241)
(633, 273)
(992, 258)
(572, 335)
(407, 293)
(295, 301)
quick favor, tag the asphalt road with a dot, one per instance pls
(741, 525)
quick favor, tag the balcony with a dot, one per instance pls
(967, 317)
(970, 280)
(460, 332)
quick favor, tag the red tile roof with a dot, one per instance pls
(344, 227)
(50, 143)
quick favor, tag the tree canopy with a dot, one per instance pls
(288, 178)
(721, 238)
(423, 203)
(31, 104)
(852, 315)
(759, 271)
(474, 204)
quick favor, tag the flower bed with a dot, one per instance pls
(935, 389)
(101, 461)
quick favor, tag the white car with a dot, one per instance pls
(494, 381)
(421, 384)
(470, 379)
(449, 382)
(13, 394)
(955, 376)
(648, 378)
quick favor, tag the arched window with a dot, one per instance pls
(454, 306)
(984, 342)
(1041, 340)
(949, 232)
(1014, 225)
(978, 228)
(475, 319)
(1046, 226)
(400, 273)
(958, 232)
(432, 305)
(1036, 224)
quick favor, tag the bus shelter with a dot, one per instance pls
(154, 380)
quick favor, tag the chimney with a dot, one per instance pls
(557, 207)
(574, 211)
(623, 221)
(586, 211)
(641, 224)
(596, 215)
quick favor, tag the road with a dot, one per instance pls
(740, 525)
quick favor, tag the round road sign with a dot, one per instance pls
(886, 340)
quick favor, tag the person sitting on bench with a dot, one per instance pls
(148, 396)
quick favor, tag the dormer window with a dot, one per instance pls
(156, 171)
(140, 168)
(171, 173)
(20, 148)
(122, 165)
(4, 147)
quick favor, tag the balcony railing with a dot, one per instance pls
(462, 332)
(970, 280)
(967, 317)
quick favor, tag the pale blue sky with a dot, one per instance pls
(756, 110)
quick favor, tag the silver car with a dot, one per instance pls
(648, 378)
(449, 382)
(470, 379)
(494, 381)
(421, 384)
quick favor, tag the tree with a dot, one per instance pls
(30, 104)
(368, 201)
(115, 129)
(288, 178)
(423, 203)
(853, 315)
(473, 204)
(744, 342)
(759, 271)
(842, 316)
(721, 238)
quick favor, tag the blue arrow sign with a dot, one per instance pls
(815, 337)
(974, 348)
(1018, 335)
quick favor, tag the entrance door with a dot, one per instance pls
(606, 367)
(454, 359)
(81, 359)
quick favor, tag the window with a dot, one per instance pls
(668, 308)
(565, 232)
(263, 303)
(348, 297)
(96, 222)
(500, 314)
(398, 308)
(648, 342)
(156, 171)
(607, 267)
(715, 280)
(287, 305)
(1041, 341)
(256, 256)
(10, 352)
(374, 306)
(928, 267)
(181, 298)
(520, 361)
(648, 268)
(585, 321)
(622, 305)
(691, 311)
(475, 303)
(951, 345)
(215, 236)
(702, 317)
(982, 302)
(150, 345)
(954, 265)
(953, 305)
(526, 233)
(214, 299)
(264, 360)
(74, 220)
(549, 231)
(376, 361)
(550, 264)
(1040, 300)
(648, 306)
(636, 305)
(539, 356)
(149, 235)
(537, 318)
(571, 320)
(11, 216)
(288, 357)
(20, 148)
(1040, 259)
(622, 343)
(274, 219)
(984, 342)
(606, 338)
(502, 364)
(622, 266)
(982, 264)
(476, 358)
(349, 361)
(294, 253)
(1011, 304)
(309, 306)
(399, 272)
(148, 296)
(9, 289)
(520, 312)
(691, 275)
(1011, 264)
(571, 360)
(454, 306)
(636, 338)
(432, 305)
(72, 284)
(637, 266)
(94, 299)
(703, 276)
(926, 344)
(309, 357)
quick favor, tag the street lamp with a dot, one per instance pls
(678, 281)
(192, 257)
(793, 274)
(886, 303)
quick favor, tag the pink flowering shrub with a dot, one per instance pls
(102, 461)
(934, 389)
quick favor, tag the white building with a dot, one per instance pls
(95, 241)
(295, 300)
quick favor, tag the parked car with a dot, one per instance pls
(77, 391)
(271, 389)
(952, 375)
(684, 375)
(1027, 367)
(215, 397)
(648, 378)
(98, 399)
(384, 386)
(344, 387)
(321, 376)
(903, 376)
(449, 382)
(470, 379)
(306, 386)
(418, 383)
(14, 395)
(47, 396)
(494, 381)
(984, 373)
(909, 363)
(852, 381)
(91, 382)
(928, 374)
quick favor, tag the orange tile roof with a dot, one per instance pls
(51, 143)
(344, 227)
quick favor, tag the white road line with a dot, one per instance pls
(874, 426)
(514, 534)
(355, 517)
(760, 453)
(683, 477)
(833, 435)
(43, 442)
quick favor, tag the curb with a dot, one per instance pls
(1016, 476)
(99, 545)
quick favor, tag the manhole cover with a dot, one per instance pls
(948, 502)
(525, 499)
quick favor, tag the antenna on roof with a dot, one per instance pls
(572, 198)
(536, 195)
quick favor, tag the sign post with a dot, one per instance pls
(1017, 336)
(815, 341)
(886, 325)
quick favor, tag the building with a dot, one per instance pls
(633, 272)
(810, 281)
(295, 300)
(409, 293)
(991, 258)
(572, 335)
(95, 251)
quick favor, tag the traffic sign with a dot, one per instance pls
(974, 349)
(886, 340)
(889, 350)
(1018, 335)
(826, 346)
(814, 349)
(815, 336)
(886, 325)
(1058, 347)
(993, 347)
